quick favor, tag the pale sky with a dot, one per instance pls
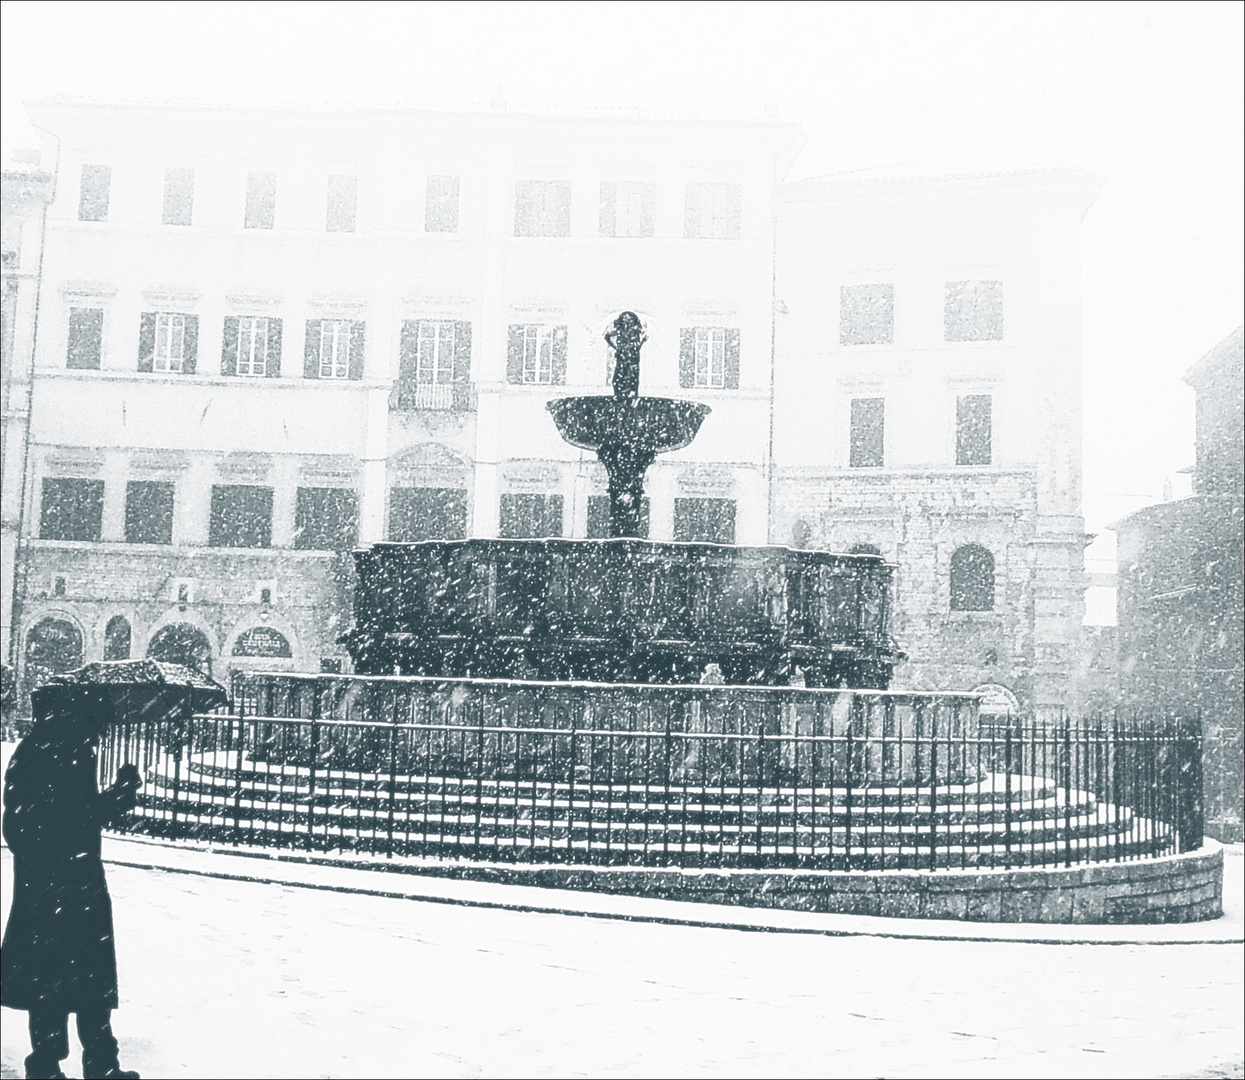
(1148, 96)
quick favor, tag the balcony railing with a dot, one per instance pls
(436, 397)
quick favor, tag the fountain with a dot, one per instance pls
(625, 609)
(517, 715)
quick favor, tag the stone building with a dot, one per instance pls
(928, 407)
(26, 191)
(269, 336)
(1181, 606)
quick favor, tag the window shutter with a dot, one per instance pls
(514, 354)
(687, 357)
(146, 341)
(648, 220)
(408, 353)
(608, 196)
(273, 369)
(358, 347)
(559, 356)
(311, 350)
(190, 345)
(229, 346)
(731, 225)
(462, 353)
(731, 375)
(408, 362)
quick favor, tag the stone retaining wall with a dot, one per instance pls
(1174, 888)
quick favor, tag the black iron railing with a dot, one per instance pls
(681, 776)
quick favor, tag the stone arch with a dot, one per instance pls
(54, 645)
(972, 579)
(182, 643)
(118, 638)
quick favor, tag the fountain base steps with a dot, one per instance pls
(997, 822)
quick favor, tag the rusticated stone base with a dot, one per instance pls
(1171, 889)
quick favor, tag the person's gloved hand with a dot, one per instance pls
(124, 792)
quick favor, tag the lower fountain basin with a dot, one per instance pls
(622, 611)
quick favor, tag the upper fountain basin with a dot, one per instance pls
(660, 424)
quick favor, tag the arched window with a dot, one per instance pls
(182, 643)
(972, 579)
(117, 638)
(53, 646)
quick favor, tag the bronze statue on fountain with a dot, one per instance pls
(624, 609)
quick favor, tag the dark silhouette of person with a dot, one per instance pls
(58, 955)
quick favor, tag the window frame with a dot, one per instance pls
(95, 195)
(248, 324)
(855, 300)
(133, 488)
(54, 518)
(985, 324)
(437, 196)
(862, 453)
(179, 197)
(712, 210)
(76, 347)
(973, 448)
(337, 334)
(173, 322)
(260, 211)
(553, 218)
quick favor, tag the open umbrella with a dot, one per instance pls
(139, 688)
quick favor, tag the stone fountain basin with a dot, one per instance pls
(659, 424)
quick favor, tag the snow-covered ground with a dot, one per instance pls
(232, 978)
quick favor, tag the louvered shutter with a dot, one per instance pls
(358, 349)
(273, 368)
(559, 356)
(462, 353)
(514, 354)
(190, 345)
(146, 341)
(730, 229)
(730, 378)
(687, 357)
(609, 194)
(229, 346)
(311, 350)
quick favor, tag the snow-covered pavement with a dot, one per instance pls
(225, 977)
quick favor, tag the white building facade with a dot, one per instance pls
(266, 338)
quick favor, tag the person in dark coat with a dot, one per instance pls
(58, 955)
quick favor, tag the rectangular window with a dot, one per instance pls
(868, 433)
(179, 196)
(326, 519)
(974, 311)
(709, 357)
(524, 516)
(261, 200)
(536, 354)
(335, 348)
(711, 212)
(343, 196)
(72, 509)
(973, 429)
(628, 209)
(427, 514)
(866, 314)
(148, 512)
(709, 521)
(441, 204)
(96, 180)
(86, 336)
(170, 348)
(168, 341)
(241, 516)
(542, 208)
(599, 517)
(434, 369)
(252, 354)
